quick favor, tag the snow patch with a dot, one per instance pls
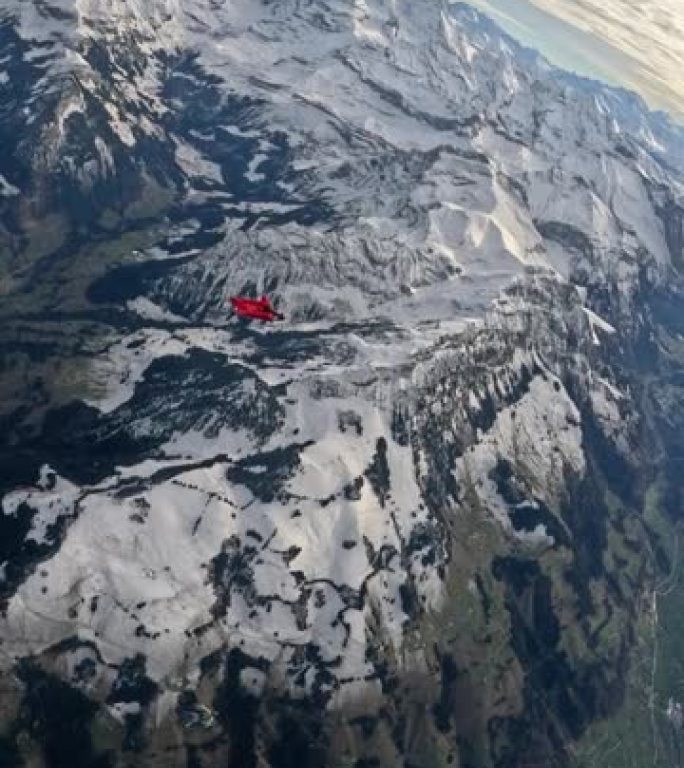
(7, 189)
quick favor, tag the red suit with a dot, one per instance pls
(255, 309)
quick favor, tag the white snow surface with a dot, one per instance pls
(466, 195)
(7, 189)
(146, 557)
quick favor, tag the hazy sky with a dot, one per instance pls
(638, 44)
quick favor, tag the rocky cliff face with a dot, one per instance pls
(430, 518)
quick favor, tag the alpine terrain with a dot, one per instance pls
(433, 517)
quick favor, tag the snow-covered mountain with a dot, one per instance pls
(417, 522)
